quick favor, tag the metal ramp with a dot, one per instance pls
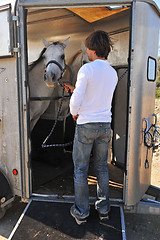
(52, 220)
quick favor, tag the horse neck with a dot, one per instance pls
(36, 82)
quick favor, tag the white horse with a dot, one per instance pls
(43, 77)
(49, 87)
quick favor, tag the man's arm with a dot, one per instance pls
(79, 92)
(70, 88)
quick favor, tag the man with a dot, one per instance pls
(90, 106)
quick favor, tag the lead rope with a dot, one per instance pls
(44, 144)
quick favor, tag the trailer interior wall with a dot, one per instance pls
(57, 25)
(40, 24)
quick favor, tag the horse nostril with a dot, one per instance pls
(53, 76)
(45, 77)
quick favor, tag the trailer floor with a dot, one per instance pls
(50, 220)
(60, 181)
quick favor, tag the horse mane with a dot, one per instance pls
(72, 59)
(40, 58)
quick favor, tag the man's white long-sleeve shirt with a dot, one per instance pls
(92, 96)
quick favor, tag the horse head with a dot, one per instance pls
(54, 60)
(85, 58)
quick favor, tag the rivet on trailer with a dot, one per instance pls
(36, 129)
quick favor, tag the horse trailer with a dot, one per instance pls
(41, 173)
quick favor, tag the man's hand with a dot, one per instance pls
(69, 87)
(75, 117)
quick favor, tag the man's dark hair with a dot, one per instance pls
(100, 42)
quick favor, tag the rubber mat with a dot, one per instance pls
(52, 221)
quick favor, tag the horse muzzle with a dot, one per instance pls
(51, 77)
(50, 81)
(50, 85)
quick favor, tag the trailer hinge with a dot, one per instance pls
(16, 49)
(128, 208)
(15, 18)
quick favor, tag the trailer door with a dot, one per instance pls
(144, 46)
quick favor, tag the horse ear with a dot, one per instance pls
(46, 44)
(83, 47)
(65, 42)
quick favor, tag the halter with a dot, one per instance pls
(61, 68)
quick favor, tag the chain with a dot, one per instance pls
(44, 144)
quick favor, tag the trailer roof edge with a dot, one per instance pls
(36, 3)
(70, 3)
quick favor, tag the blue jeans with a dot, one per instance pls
(88, 136)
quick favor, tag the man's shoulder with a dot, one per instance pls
(112, 68)
(86, 66)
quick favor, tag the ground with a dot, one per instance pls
(138, 226)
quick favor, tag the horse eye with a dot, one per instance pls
(62, 57)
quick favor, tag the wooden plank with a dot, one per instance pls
(92, 14)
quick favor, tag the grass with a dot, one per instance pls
(158, 79)
(158, 92)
